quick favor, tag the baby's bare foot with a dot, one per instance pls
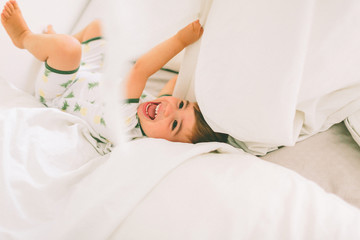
(14, 23)
(49, 30)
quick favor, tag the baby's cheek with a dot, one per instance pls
(160, 130)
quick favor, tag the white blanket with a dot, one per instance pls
(237, 196)
(271, 73)
(49, 169)
(54, 185)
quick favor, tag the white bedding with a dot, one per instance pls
(287, 69)
(237, 196)
(353, 125)
(54, 191)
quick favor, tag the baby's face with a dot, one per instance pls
(169, 118)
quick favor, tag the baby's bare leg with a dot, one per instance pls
(92, 30)
(62, 52)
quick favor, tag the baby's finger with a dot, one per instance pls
(201, 30)
(197, 23)
(196, 26)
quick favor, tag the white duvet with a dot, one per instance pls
(55, 185)
(271, 73)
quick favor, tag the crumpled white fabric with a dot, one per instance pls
(352, 123)
(273, 73)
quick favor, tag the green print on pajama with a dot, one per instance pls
(65, 106)
(65, 85)
(77, 108)
(92, 85)
(70, 95)
(102, 121)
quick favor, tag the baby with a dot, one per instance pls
(73, 65)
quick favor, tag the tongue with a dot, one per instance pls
(151, 111)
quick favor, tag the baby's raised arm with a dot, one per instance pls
(158, 56)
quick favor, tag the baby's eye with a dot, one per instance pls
(181, 105)
(174, 125)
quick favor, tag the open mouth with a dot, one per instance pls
(151, 109)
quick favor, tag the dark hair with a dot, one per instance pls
(202, 132)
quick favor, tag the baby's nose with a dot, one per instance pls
(169, 110)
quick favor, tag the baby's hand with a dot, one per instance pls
(191, 33)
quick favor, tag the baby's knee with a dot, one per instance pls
(70, 49)
(70, 46)
(96, 24)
